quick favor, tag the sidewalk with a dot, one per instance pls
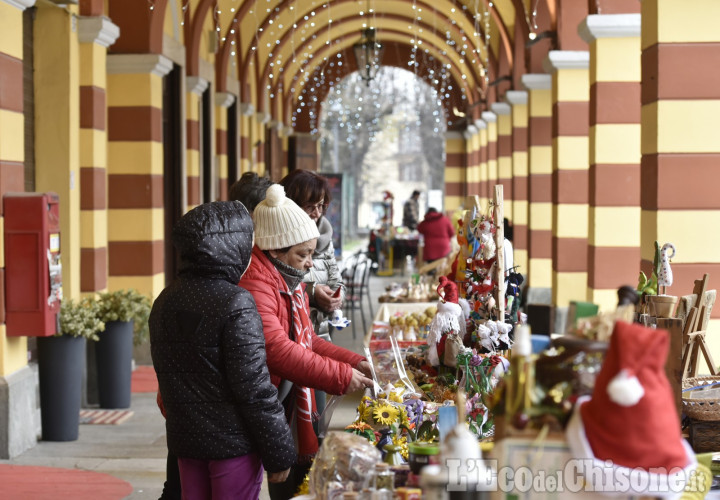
(106, 462)
(127, 461)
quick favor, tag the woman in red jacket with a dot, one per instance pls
(437, 230)
(285, 238)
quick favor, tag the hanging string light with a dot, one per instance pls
(185, 7)
(531, 20)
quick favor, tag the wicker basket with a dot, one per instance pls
(701, 409)
(704, 415)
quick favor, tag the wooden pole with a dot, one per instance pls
(499, 245)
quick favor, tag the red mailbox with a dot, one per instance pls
(33, 273)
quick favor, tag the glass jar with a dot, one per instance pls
(422, 454)
(384, 477)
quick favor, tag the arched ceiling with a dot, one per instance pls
(281, 50)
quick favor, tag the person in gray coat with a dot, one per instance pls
(223, 418)
(324, 284)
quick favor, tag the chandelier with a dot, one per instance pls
(368, 55)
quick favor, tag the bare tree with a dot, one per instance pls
(380, 134)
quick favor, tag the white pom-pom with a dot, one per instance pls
(625, 389)
(275, 195)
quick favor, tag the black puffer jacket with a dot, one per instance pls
(208, 347)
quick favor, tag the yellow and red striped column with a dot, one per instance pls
(472, 157)
(223, 100)
(570, 94)
(96, 33)
(680, 142)
(483, 161)
(519, 119)
(540, 212)
(259, 125)
(246, 138)
(614, 211)
(504, 154)
(195, 86)
(454, 170)
(490, 119)
(13, 351)
(135, 172)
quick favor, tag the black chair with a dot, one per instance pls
(356, 274)
(366, 285)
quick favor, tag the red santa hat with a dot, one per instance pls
(447, 290)
(629, 428)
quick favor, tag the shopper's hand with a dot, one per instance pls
(358, 382)
(278, 477)
(364, 367)
(324, 298)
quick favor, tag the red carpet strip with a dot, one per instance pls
(51, 483)
(144, 379)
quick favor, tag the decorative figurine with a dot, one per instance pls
(665, 277)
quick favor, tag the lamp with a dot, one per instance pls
(368, 55)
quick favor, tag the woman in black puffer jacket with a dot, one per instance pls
(224, 422)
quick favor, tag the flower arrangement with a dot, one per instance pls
(385, 421)
(127, 305)
(80, 319)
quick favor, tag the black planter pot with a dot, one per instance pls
(61, 361)
(113, 357)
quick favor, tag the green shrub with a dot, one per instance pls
(80, 319)
(127, 305)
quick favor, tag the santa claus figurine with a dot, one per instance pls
(448, 322)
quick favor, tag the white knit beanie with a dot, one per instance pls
(280, 223)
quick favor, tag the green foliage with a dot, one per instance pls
(80, 319)
(127, 305)
(650, 286)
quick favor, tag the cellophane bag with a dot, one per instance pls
(345, 462)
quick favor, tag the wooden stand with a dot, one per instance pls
(499, 251)
(694, 333)
(673, 364)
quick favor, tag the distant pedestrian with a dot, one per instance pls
(508, 252)
(411, 211)
(437, 231)
(223, 418)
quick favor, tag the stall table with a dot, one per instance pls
(386, 310)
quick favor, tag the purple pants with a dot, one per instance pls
(229, 479)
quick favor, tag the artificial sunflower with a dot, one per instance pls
(385, 414)
(365, 409)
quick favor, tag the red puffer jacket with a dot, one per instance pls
(437, 231)
(326, 367)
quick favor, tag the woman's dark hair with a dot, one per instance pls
(305, 187)
(249, 189)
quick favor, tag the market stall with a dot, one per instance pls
(456, 382)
